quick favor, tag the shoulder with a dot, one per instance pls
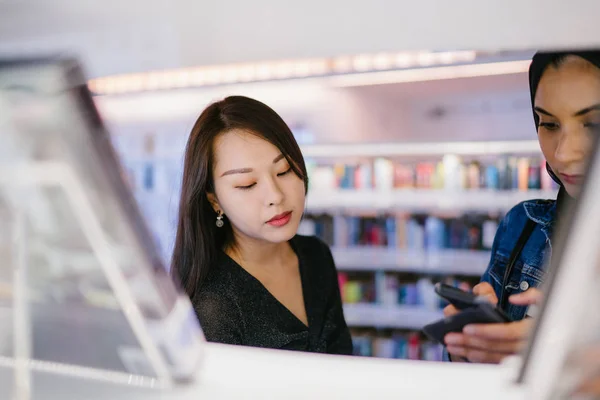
(309, 243)
(216, 294)
(539, 212)
(314, 253)
(542, 212)
(312, 249)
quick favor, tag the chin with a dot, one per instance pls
(283, 234)
(572, 190)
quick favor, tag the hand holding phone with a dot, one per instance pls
(473, 310)
(457, 297)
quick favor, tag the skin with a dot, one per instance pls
(568, 104)
(254, 183)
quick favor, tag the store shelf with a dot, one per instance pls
(397, 317)
(420, 200)
(389, 149)
(419, 149)
(446, 262)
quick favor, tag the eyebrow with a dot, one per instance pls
(579, 113)
(248, 170)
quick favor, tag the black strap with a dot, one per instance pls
(527, 230)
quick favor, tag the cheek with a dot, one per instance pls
(230, 199)
(589, 146)
(548, 143)
(295, 191)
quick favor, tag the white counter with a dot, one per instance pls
(233, 372)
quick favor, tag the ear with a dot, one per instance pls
(212, 199)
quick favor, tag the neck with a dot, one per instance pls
(255, 254)
(563, 198)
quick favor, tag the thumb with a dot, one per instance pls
(486, 290)
(532, 296)
(483, 289)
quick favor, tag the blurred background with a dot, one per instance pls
(417, 141)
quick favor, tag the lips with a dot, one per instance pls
(281, 219)
(571, 179)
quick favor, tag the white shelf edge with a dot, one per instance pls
(415, 149)
(387, 149)
(391, 317)
(420, 199)
(442, 262)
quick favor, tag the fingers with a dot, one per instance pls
(485, 345)
(486, 290)
(510, 331)
(531, 296)
(476, 356)
(483, 288)
(476, 349)
(450, 310)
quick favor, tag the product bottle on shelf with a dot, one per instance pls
(414, 344)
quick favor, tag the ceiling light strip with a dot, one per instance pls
(430, 74)
(273, 70)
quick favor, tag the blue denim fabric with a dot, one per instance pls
(529, 269)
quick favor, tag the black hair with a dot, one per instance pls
(198, 240)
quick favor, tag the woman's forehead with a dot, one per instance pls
(242, 149)
(574, 85)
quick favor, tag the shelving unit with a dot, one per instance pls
(441, 262)
(393, 317)
(419, 200)
(371, 150)
(155, 176)
(397, 149)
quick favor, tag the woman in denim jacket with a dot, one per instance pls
(565, 94)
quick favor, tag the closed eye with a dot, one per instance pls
(246, 187)
(287, 171)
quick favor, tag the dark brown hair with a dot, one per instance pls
(198, 240)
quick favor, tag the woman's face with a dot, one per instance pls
(568, 104)
(255, 188)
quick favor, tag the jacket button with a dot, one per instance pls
(524, 285)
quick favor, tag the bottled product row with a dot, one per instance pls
(507, 173)
(470, 231)
(398, 345)
(391, 289)
(452, 173)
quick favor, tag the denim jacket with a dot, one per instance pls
(528, 270)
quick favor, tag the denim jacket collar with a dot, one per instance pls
(542, 212)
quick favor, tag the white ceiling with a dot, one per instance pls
(114, 36)
(483, 108)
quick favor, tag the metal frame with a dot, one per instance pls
(60, 174)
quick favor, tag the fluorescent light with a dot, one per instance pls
(362, 69)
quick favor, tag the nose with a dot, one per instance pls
(571, 146)
(273, 193)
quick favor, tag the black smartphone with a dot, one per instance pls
(483, 313)
(457, 297)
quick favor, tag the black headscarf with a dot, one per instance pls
(538, 66)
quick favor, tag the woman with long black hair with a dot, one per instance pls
(251, 279)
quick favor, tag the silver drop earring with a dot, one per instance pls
(220, 222)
